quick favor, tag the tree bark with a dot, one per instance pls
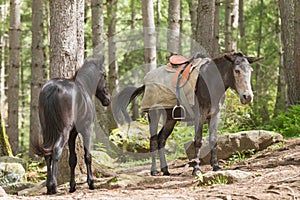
(281, 97)
(38, 68)
(66, 37)
(13, 77)
(112, 56)
(97, 28)
(228, 23)
(216, 47)
(149, 35)
(173, 34)
(287, 25)
(295, 98)
(193, 6)
(205, 26)
(5, 149)
(3, 46)
(66, 56)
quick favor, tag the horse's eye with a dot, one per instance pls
(237, 71)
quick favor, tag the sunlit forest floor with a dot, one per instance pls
(275, 175)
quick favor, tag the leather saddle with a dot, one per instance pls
(177, 63)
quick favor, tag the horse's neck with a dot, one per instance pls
(87, 81)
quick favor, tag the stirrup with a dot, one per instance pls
(178, 112)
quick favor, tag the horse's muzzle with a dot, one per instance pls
(246, 97)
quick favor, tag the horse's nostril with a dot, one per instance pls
(245, 97)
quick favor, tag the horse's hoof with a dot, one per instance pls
(216, 168)
(51, 190)
(72, 190)
(154, 173)
(196, 172)
(166, 173)
(91, 187)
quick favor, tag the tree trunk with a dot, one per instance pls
(216, 47)
(193, 5)
(13, 77)
(5, 149)
(66, 56)
(3, 46)
(66, 37)
(295, 98)
(228, 22)
(135, 105)
(160, 59)
(173, 34)
(205, 26)
(281, 96)
(235, 23)
(287, 24)
(149, 35)
(97, 28)
(243, 42)
(38, 68)
(112, 56)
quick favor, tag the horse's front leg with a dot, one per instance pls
(198, 144)
(88, 157)
(72, 159)
(213, 137)
(153, 119)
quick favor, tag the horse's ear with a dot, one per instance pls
(230, 57)
(254, 59)
(101, 59)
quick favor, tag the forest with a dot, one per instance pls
(40, 40)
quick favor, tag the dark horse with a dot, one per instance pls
(229, 71)
(66, 109)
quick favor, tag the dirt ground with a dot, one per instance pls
(276, 175)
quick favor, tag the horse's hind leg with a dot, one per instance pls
(213, 129)
(162, 138)
(88, 157)
(153, 117)
(72, 159)
(49, 185)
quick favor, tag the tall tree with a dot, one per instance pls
(287, 24)
(3, 46)
(97, 27)
(66, 56)
(281, 96)
(228, 23)
(193, 5)
(38, 68)
(149, 35)
(66, 37)
(216, 30)
(173, 44)
(112, 55)
(295, 97)
(205, 25)
(13, 77)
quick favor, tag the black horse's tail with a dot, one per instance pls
(122, 100)
(50, 119)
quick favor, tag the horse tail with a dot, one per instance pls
(50, 119)
(122, 101)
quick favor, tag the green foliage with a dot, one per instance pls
(287, 123)
(219, 179)
(240, 156)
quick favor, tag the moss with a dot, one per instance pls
(5, 149)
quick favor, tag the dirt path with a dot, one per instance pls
(276, 175)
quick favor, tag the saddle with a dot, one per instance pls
(177, 63)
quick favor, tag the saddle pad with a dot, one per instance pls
(160, 92)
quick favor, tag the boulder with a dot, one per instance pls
(230, 144)
(11, 173)
(224, 177)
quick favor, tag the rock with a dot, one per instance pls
(11, 173)
(224, 177)
(10, 159)
(2, 192)
(229, 144)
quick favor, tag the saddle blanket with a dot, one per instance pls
(160, 90)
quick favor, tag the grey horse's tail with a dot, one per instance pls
(122, 100)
